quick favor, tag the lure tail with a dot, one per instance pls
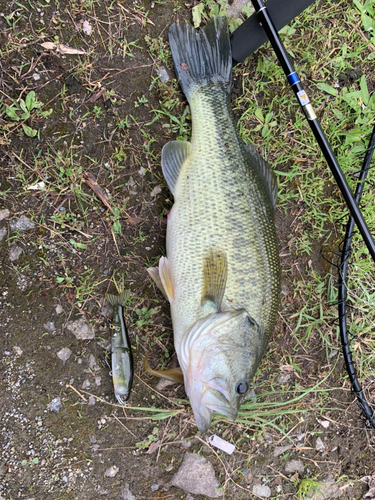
(118, 300)
(202, 58)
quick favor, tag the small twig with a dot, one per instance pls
(119, 421)
(77, 392)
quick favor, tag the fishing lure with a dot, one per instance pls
(122, 358)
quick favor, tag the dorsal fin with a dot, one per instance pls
(173, 156)
(215, 272)
(265, 172)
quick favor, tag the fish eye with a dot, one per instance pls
(241, 387)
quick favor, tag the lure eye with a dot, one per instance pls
(241, 387)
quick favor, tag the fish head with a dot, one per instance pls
(219, 357)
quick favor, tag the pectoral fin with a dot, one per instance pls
(162, 278)
(215, 270)
(173, 374)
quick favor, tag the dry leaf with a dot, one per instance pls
(63, 49)
(90, 180)
(153, 447)
(86, 27)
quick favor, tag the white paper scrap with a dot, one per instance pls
(221, 444)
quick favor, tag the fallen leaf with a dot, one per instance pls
(90, 180)
(153, 447)
(63, 49)
(86, 27)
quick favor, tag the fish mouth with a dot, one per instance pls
(211, 401)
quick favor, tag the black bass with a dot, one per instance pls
(221, 274)
(122, 357)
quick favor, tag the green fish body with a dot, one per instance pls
(221, 274)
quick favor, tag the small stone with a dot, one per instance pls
(154, 487)
(17, 351)
(319, 445)
(162, 74)
(280, 450)
(21, 224)
(196, 475)
(186, 443)
(14, 252)
(49, 326)
(81, 329)
(91, 401)
(93, 365)
(126, 493)
(294, 466)
(112, 471)
(86, 384)
(59, 309)
(98, 381)
(283, 378)
(155, 191)
(4, 214)
(55, 405)
(3, 233)
(64, 354)
(262, 490)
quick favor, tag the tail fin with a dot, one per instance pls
(204, 57)
(118, 300)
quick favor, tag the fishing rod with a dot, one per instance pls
(265, 19)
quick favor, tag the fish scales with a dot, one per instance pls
(221, 274)
(222, 197)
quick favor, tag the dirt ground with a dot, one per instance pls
(61, 247)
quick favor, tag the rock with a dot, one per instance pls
(4, 214)
(59, 309)
(64, 354)
(93, 365)
(49, 326)
(324, 490)
(112, 471)
(55, 405)
(17, 351)
(21, 224)
(154, 487)
(81, 329)
(86, 384)
(196, 475)
(3, 233)
(294, 466)
(262, 490)
(14, 252)
(280, 450)
(283, 378)
(155, 191)
(319, 445)
(91, 401)
(127, 494)
(162, 74)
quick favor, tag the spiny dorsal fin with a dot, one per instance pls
(173, 156)
(162, 278)
(265, 172)
(215, 272)
(173, 374)
(118, 300)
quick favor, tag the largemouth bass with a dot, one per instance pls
(122, 357)
(221, 274)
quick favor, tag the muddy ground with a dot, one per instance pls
(59, 261)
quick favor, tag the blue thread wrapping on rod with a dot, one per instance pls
(293, 78)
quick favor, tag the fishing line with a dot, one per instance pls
(342, 292)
